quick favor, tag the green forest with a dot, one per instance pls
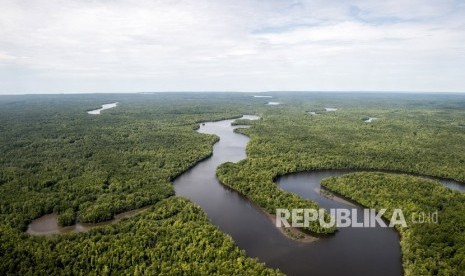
(428, 248)
(173, 237)
(56, 158)
(414, 134)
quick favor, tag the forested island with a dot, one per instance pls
(58, 159)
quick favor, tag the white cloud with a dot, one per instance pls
(72, 46)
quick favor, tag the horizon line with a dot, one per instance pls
(247, 92)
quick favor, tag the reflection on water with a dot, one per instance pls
(351, 251)
(346, 253)
(104, 107)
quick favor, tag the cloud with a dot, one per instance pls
(246, 45)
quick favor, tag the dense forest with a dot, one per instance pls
(173, 237)
(415, 134)
(428, 248)
(421, 136)
(57, 158)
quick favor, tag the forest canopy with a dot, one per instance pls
(428, 248)
(57, 158)
(414, 134)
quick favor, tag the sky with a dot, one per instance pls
(73, 46)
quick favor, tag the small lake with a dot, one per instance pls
(370, 119)
(263, 96)
(330, 109)
(104, 107)
(273, 103)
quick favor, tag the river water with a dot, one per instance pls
(367, 251)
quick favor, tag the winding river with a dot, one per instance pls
(351, 251)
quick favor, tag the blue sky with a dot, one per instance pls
(63, 46)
